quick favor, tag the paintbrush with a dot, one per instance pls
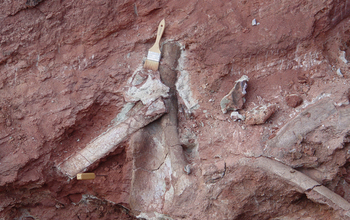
(153, 57)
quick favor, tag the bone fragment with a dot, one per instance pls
(108, 141)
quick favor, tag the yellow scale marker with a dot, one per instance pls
(86, 176)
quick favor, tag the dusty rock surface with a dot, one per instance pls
(65, 69)
(235, 99)
(293, 100)
(260, 114)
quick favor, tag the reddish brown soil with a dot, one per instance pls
(64, 64)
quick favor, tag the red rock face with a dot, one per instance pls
(64, 68)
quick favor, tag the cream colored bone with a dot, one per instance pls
(109, 140)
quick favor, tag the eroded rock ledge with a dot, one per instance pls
(68, 68)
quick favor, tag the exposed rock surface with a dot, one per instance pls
(69, 70)
(293, 100)
(159, 160)
(235, 99)
(111, 138)
(260, 114)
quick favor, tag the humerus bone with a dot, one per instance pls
(108, 141)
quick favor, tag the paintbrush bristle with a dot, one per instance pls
(151, 65)
(153, 57)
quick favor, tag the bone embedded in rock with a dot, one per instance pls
(304, 184)
(302, 124)
(108, 141)
(145, 85)
(183, 84)
(235, 99)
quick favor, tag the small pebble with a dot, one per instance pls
(293, 100)
(339, 73)
(254, 22)
(187, 169)
(236, 116)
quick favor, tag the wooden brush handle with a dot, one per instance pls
(160, 31)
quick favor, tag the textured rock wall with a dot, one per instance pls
(64, 70)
